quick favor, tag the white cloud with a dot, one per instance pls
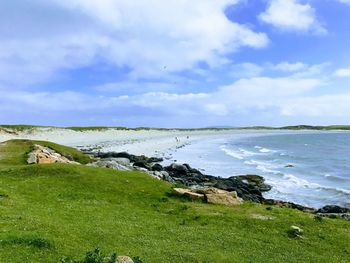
(243, 95)
(289, 67)
(343, 73)
(144, 36)
(292, 15)
(322, 106)
(344, 1)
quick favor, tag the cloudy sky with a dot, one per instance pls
(174, 63)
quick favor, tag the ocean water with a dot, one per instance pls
(308, 168)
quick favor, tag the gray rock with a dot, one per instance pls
(122, 161)
(32, 159)
(167, 177)
(155, 174)
(110, 164)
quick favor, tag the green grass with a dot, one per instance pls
(14, 152)
(51, 211)
(21, 127)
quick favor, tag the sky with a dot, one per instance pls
(174, 63)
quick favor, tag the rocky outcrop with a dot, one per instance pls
(235, 189)
(288, 205)
(256, 181)
(114, 163)
(45, 155)
(333, 209)
(210, 195)
(248, 187)
(131, 157)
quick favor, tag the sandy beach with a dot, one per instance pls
(138, 142)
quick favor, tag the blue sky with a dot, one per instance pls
(174, 63)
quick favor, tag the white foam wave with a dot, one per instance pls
(264, 166)
(299, 182)
(335, 190)
(238, 154)
(264, 150)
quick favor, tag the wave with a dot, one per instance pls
(238, 154)
(335, 190)
(292, 182)
(300, 182)
(264, 150)
(264, 166)
(336, 178)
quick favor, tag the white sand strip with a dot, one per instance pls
(147, 142)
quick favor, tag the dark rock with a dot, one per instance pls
(131, 157)
(157, 167)
(333, 209)
(177, 169)
(167, 177)
(154, 160)
(113, 155)
(255, 181)
(142, 165)
(288, 205)
(289, 166)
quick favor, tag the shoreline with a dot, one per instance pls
(243, 187)
(157, 143)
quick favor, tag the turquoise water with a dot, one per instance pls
(311, 169)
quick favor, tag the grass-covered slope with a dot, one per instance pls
(50, 211)
(15, 152)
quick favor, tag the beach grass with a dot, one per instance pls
(48, 212)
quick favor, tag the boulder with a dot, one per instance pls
(167, 177)
(177, 168)
(32, 159)
(44, 158)
(123, 161)
(333, 209)
(142, 165)
(155, 174)
(255, 181)
(45, 155)
(221, 197)
(212, 190)
(188, 193)
(124, 259)
(154, 160)
(157, 167)
(110, 163)
(113, 155)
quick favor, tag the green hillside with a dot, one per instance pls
(51, 211)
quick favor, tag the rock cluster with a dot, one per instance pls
(45, 155)
(229, 191)
(334, 211)
(247, 187)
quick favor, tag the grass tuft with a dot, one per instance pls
(31, 241)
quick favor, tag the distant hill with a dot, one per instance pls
(19, 128)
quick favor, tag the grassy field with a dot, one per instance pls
(51, 211)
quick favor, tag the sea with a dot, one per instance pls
(307, 168)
